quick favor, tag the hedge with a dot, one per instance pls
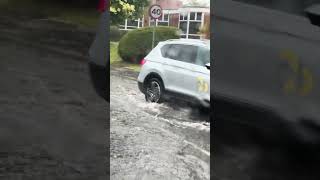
(116, 34)
(137, 43)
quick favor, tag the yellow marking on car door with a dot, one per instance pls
(308, 82)
(299, 71)
(202, 85)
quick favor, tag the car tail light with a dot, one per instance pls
(102, 6)
(142, 62)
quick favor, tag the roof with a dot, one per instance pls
(188, 9)
(189, 41)
(195, 6)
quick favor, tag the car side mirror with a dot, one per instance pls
(313, 13)
(208, 66)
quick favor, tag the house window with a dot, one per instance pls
(163, 21)
(184, 27)
(166, 17)
(130, 24)
(183, 17)
(183, 24)
(193, 16)
(190, 24)
(152, 21)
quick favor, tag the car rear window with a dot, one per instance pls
(203, 56)
(180, 52)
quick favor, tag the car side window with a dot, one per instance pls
(164, 50)
(203, 56)
(172, 52)
(184, 53)
(188, 53)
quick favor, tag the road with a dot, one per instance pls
(52, 122)
(155, 141)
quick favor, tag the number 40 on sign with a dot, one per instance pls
(155, 11)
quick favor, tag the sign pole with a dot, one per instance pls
(155, 12)
(153, 33)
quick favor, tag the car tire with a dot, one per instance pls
(154, 90)
(203, 110)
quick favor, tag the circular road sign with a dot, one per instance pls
(155, 11)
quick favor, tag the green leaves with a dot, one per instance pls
(137, 43)
(122, 9)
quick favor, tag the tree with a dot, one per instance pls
(122, 9)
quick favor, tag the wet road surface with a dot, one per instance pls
(155, 141)
(52, 123)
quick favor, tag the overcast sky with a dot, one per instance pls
(204, 2)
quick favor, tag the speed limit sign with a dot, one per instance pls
(155, 11)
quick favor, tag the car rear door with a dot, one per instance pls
(178, 65)
(252, 69)
(201, 74)
(279, 70)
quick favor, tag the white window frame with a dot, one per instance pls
(188, 20)
(151, 20)
(164, 21)
(125, 27)
(184, 20)
(161, 20)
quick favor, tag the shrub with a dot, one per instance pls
(116, 34)
(137, 43)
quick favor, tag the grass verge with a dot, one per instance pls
(116, 61)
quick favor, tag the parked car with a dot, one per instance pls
(178, 67)
(99, 63)
(267, 58)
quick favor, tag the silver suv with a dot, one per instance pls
(177, 67)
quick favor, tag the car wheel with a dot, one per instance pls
(154, 91)
(203, 110)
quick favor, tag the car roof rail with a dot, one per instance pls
(204, 41)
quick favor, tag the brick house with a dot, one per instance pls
(189, 19)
